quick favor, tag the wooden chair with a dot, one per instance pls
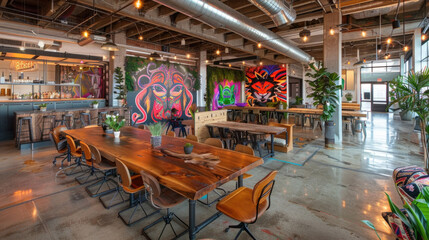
(247, 205)
(73, 152)
(192, 138)
(60, 144)
(131, 185)
(215, 142)
(246, 150)
(161, 198)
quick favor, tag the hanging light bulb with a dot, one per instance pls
(188, 55)
(348, 62)
(141, 38)
(113, 57)
(244, 63)
(138, 4)
(305, 34)
(331, 31)
(260, 63)
(423, 37)
(405, 48)
(151, 58)
(85, 34)
(259, 45)
(229, 65)
(218, 52)
(175, 57)
(364, 60)
(363, 33)
(207, 61)
(389, 40)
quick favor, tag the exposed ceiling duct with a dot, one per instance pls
(219, 15)
(385, 5)
(279, 10)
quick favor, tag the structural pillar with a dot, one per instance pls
(403, 71)
(117, 59)
(201, 103)
(417, 50)
(332, 45)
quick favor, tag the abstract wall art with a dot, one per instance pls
(265, 84)
(160, 88)
(226, 93)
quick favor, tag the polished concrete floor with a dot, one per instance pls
(319, 193)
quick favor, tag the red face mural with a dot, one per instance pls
(162, 89)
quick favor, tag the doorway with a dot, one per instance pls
(374, 97)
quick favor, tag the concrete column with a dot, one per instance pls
(417, 50)
(287, 84)
(201, 103)
(332, 61)
(117, 59)
(357, 84)
(402, 62)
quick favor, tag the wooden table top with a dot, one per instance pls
(268, 109)
(320, 111)
(190, 180)
(249, 127)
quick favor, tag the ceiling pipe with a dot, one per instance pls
(219, 15)
(371, 6)
(280, 11)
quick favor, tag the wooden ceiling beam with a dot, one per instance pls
(134, 31)
(165, 11)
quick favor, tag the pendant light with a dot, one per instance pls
(110, 45)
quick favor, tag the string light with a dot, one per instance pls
(85, 34)
(363, 33)
(229, 65)
(141, 38)
(260, 63)
(244, 63)
(259, 45)
(218, 52)
(423, 37)
(405, 48)
(138, 4)
(331, 31)
(389, 40)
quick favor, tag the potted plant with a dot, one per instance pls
(43, 107)
(349, 96)
(412, 90)
(115, 122)
(325, 88)
(399, 90)
(120, 86)
(156, 131)
(188, 148)
(95, 104)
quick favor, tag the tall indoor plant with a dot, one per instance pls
(325, 88)
(414, 91)
(399, 89)
(120, 86)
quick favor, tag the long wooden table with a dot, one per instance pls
(272, 130)
(190, 180)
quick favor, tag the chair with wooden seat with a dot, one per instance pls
(74, 152)
(215, 142)
(246, 205)
(192, 137)
(131, 185)
(161, 198)
(60, 144)
(247, 150)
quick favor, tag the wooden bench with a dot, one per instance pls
(282, 136)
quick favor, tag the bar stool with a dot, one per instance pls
(245, 115)
(101, 117)
(362, 124)
(67, 120)
(21, 121)
(50, 119)
(85, 119)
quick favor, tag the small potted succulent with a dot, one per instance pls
(95, 104)
(43, 107)
(156, 131)
(115, 122)
(349, 97)
(188, 148)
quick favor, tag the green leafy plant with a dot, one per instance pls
(412, 92)
(43, 105)
(298, 100)
(120, 84)
(94, 102)
(369, 224)
(325, 88)
(349, 96)
(114, 122)
(156, 128)
(188, 145)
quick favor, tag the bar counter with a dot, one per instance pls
(9, 107)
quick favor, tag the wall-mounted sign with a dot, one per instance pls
(22, 65)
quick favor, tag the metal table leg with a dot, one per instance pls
(191, 219)
(240, 181)
(272, 145)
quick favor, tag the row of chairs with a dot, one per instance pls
(244, 204)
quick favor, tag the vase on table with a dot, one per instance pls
(155, 141)
(117, 134)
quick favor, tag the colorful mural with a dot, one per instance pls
(225, 93)
(266, 84)
(90, 78)
(161, 88)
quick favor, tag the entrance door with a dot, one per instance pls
(374, 97)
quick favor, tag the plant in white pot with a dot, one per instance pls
(349, 97)
(325, 88)
(156, 132)
(115, 122)
(95, 104)
(43, 107)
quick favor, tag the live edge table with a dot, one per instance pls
(190, 180)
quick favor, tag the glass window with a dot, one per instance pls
(425, 51)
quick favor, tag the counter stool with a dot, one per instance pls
(67, 120)
(85, 119)
(21, 121)
(362, 123)
(245, 115)
(50, 121)
(101, 117)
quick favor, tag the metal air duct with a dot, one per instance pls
(279, 10)
(219, 15)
